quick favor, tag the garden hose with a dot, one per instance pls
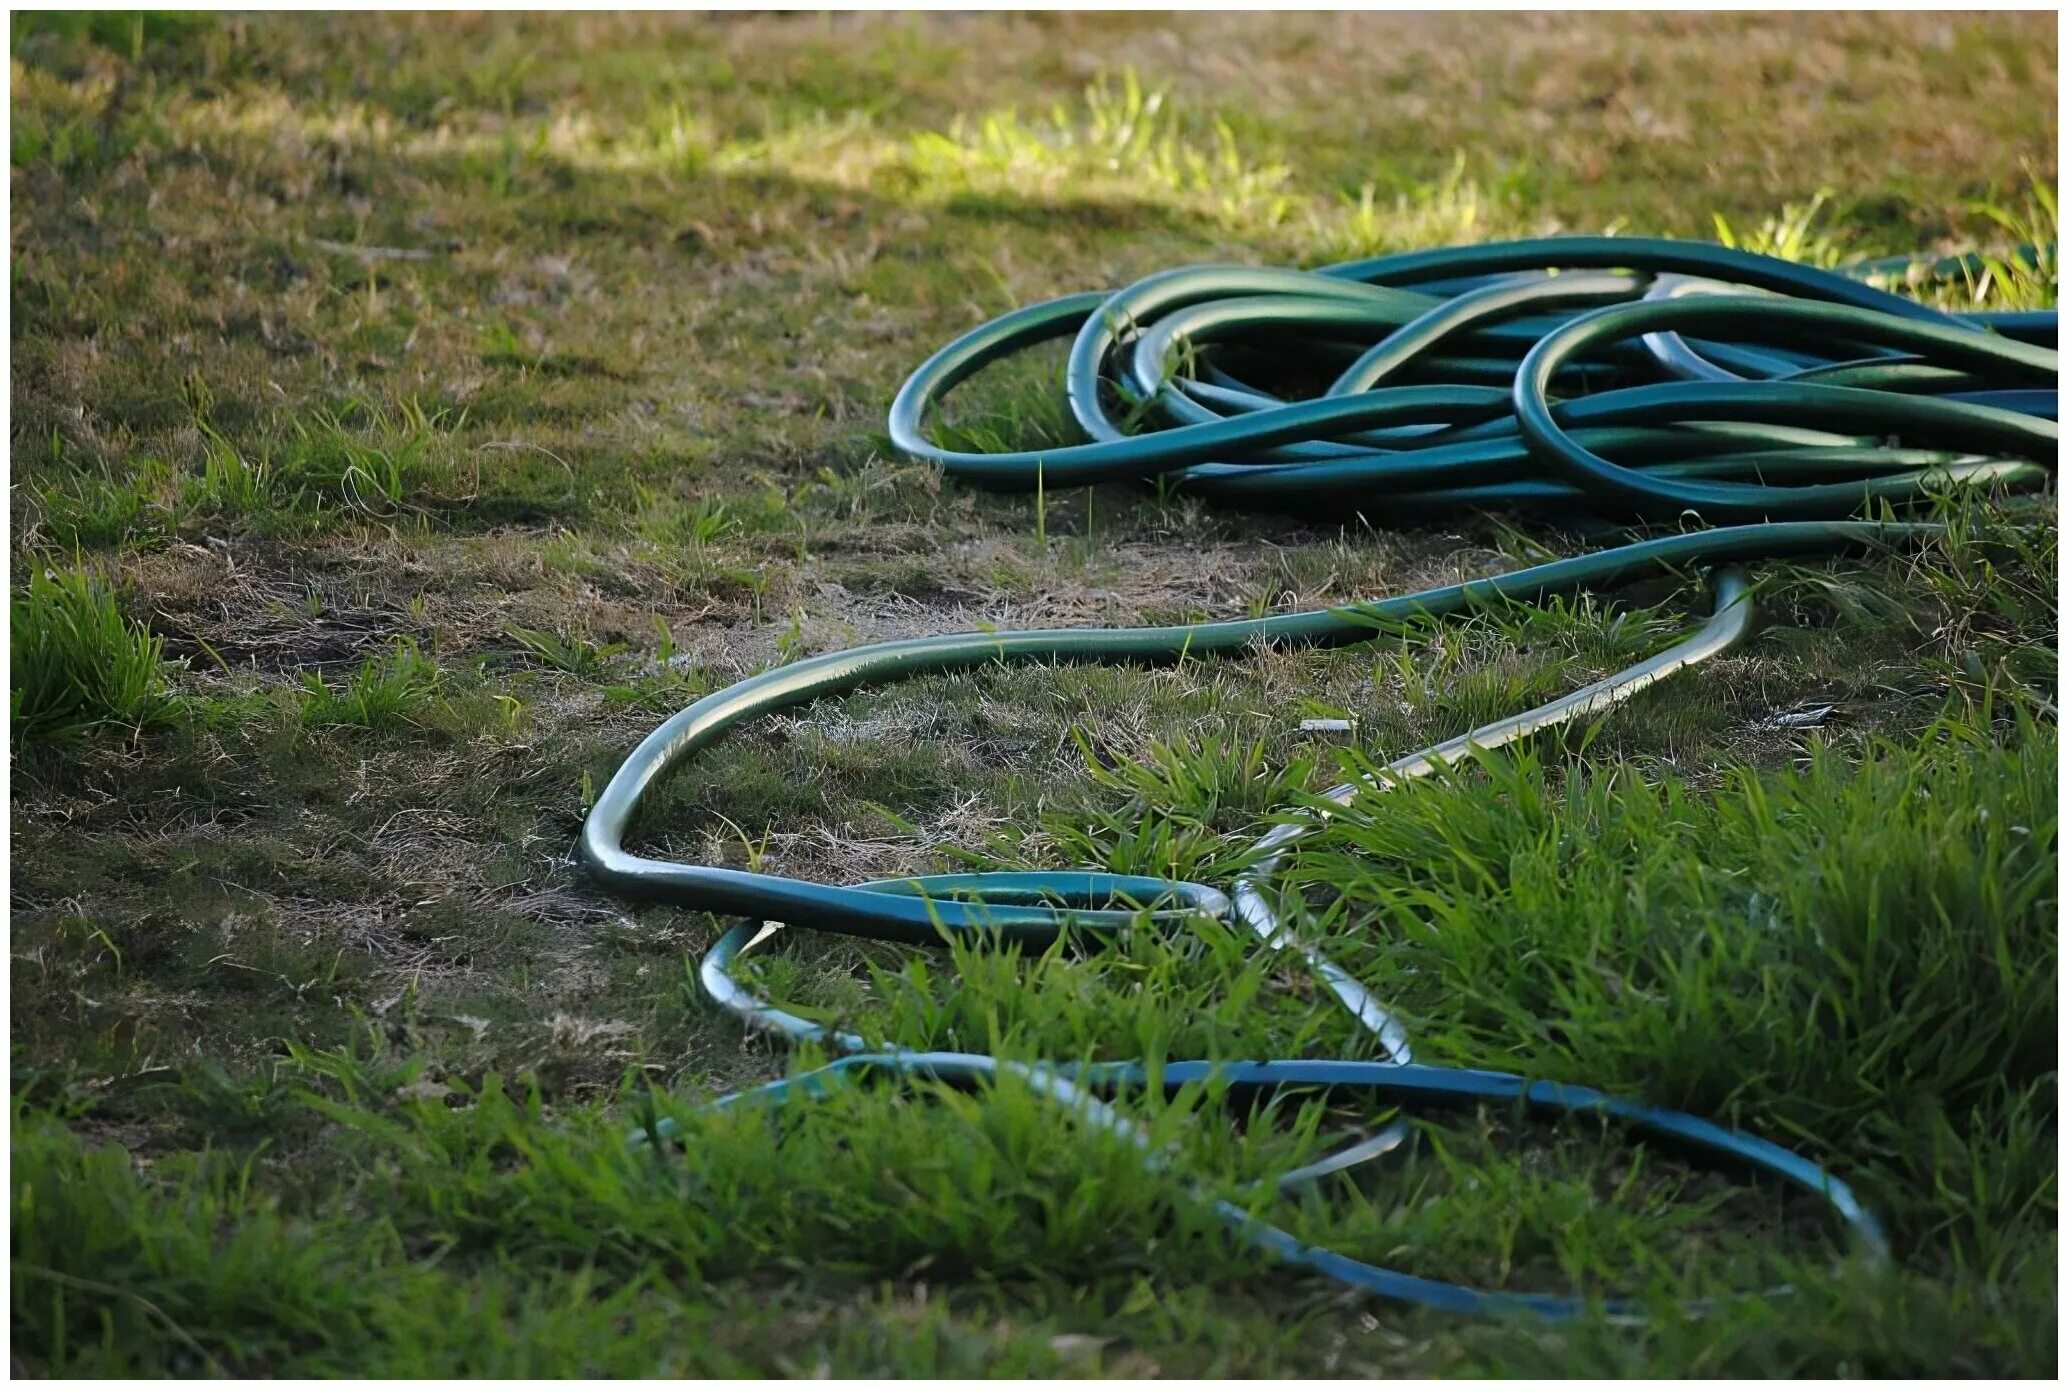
(1762, 409)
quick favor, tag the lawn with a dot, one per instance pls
(408, 413)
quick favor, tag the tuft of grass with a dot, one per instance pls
(1777, 929)
(574, 655)
(78, 666)
(2029, 281)
(1793, 234)
(385, 691)
(229, 484)
(360, 455)
(1449, 210)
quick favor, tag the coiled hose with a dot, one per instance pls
(1762, 408)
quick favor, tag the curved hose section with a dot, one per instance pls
(1766, 408)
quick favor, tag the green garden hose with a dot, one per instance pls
(1762, 408)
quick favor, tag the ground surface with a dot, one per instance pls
(455, 398)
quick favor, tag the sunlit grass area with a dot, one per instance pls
(410, 412)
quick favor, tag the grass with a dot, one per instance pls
(78, 664)
(410, 411)
(383, 691)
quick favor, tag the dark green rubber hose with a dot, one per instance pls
(1743, 407)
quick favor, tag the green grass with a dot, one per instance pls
(79, 665)
(1728, 954)
(411, 411)
(384, 690)
(569, 654)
